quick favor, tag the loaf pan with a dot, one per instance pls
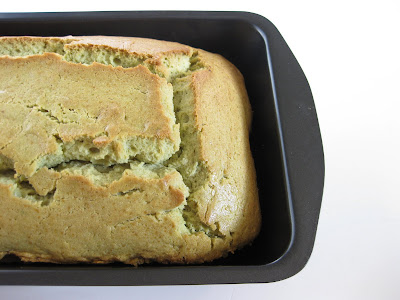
(285, 140)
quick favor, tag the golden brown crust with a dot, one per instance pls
(44, 180)
(223, 118)
(140, 46)
(82, 106)
(137, 213)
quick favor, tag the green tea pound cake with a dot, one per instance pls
(116, 149)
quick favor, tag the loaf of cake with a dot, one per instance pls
(116, 149)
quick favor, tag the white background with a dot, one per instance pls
(349, 51)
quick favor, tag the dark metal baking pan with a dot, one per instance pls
(285, 140)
